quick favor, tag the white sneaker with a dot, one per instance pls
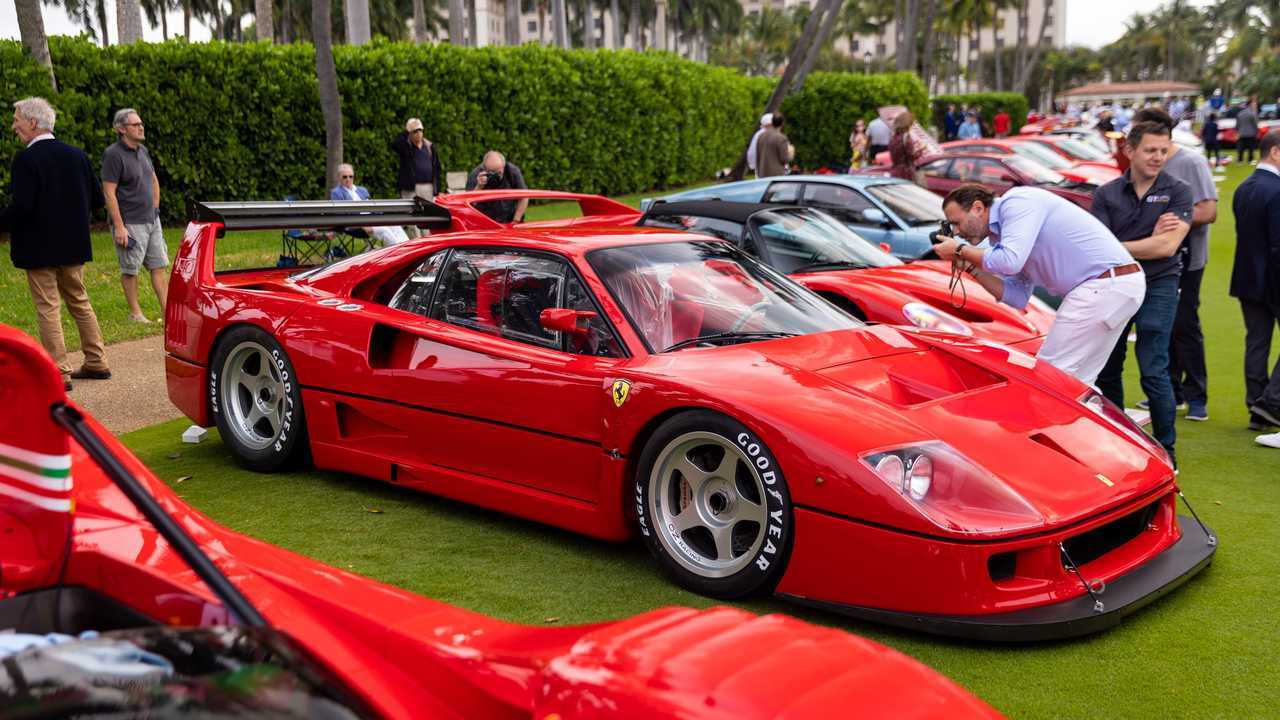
(1272, 440)
(1142, 417)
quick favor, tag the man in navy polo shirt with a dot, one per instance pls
(1149, 211)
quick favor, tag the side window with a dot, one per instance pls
(937, 168)
(598, 340)
(723, 229)
(990, 172)
(504, 293)
(783, 192)
(963, 169)
(415, 294)
(829, 195)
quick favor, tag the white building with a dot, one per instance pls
(491, 30)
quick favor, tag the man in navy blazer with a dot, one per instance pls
(54, 191)
(1255, 280)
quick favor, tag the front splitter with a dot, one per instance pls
(1071, 618)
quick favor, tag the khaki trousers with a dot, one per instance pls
(66, 281)
(426, 191)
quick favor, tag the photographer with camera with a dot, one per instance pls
(1041, 240)
(495, 173)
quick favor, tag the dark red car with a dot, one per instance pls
(943, 173)
(1045, 154)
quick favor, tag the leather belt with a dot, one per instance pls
(1120, 270)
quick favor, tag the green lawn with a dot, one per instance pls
(1210, 650)
(236, 250)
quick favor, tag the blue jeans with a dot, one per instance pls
(1154, 323)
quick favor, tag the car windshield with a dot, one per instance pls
(1038, 173)
(802, 240)
(680, 293)
(1042, 155)
(1081, 150)
(912, 203)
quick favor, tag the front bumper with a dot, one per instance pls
(1070, 618)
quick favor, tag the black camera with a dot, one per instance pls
(492, 178)
(944, 230)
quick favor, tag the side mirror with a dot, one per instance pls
(564, 320)
(875, 216)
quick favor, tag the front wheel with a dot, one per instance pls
(255, 400)
(713, 507)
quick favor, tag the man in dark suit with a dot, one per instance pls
(53, 193)
(1255, 280)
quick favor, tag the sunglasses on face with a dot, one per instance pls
(347, 177)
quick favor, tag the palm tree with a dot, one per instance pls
(559, 24)
(156, 12)
(358, 32)
(327, 79)
(457, 20)
(85, 13)
(31, 29)
(128, 21)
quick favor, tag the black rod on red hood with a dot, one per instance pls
(231, 597)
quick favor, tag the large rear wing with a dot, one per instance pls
(320, 214)
(593, 208)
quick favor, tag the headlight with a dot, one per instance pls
(931, 318)
(951, 491)
(1108, 410)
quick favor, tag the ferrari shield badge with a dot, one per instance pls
(621, 391)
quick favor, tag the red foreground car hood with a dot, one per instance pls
(1015, 417)
(881, 292)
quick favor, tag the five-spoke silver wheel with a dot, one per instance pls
(253, 395)
(708, 505)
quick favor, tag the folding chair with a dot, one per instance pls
(304, 247)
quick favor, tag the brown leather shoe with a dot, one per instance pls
(66, 384)
(85, 373)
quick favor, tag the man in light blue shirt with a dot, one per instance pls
(1041, 240)
(970, 129)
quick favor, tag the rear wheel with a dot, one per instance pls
(255, 400)
(713, 506)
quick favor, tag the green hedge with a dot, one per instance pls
(821, 116)
(242, 121)
(990, 102)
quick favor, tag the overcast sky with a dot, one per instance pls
(1089, 22)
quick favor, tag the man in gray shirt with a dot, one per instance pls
(1246, 132)
(1187, 368)
(133, 206)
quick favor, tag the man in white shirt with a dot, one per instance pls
(766, 122)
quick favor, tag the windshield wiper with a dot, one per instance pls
(831, 265)
(717, 337)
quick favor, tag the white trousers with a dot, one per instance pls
(1089, 324)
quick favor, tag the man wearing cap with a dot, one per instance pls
(420, 174)
(766, 122)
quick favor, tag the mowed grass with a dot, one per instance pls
(238, 250)
(1210, 650)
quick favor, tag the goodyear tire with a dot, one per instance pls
(255, 400)
(713, 506)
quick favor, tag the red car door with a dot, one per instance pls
(481, 390)
(938, 177)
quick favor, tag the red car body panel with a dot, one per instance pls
(881, 293)
(1090, 172)
(531, 431)
(408, 656)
